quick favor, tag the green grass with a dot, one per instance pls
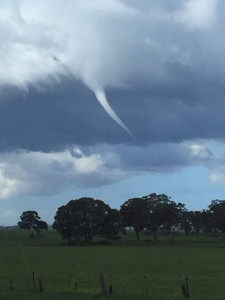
(136, 270)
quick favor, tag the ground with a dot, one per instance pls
(145, 270)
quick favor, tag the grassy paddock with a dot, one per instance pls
(137, 270)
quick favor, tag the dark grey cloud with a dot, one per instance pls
(67, 113)
(54, 118)
(160, 65)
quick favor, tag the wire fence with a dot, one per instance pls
(53, 284)
(40, 286)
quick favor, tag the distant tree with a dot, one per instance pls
(217, 215)
(30, 220)
(172, 216)
(41, 225)
(153, 212)
(81, 219)
(192, 222)
(112, 224)
(135, 213)
(187, 222)
(163, 213)
(207, 222)
(196, 220)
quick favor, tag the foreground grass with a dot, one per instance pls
(144, 270)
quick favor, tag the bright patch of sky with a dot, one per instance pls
(190, 186)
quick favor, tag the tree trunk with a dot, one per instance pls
(88, 238)
(38, 232)
(138, 235)
(155, 235)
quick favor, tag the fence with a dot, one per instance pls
(28, 285)
(53, 285)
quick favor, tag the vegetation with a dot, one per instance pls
(81, 219)
(30, 220)
(141, 270)
(151, 249)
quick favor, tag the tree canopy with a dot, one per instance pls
(30, 220)
(152, 212)
(81, 219)
(135, 214)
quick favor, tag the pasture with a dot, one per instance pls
(145, 270)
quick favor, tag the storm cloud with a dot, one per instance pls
(160, 64)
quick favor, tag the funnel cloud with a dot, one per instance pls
(101, 97)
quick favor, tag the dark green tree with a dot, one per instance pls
(217, 215)
(112, 224)
(187, 222)
(135, 214)
(30, 220)
(41, 225)
(163, 213)
(207, 222)
(81, 219)
(192, 222)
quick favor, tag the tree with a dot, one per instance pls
(153, 212)
(155, 204)
(135, 214)
(112, 224)
(217, 215)
(186, 222)
(163, 212)
(192, 221)
(41, 225)
(31, 220)
(81, 219)
(207, 224)
(172, 216)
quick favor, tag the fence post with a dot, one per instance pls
(187, 287)
(41, 290)
(102, 284)
(110, 290)
(33, 278)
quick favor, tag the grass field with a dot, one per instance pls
(136, 270)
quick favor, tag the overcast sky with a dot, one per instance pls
(111, 99)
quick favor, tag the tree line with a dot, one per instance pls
(81, 220)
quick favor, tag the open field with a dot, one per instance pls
(136, 270)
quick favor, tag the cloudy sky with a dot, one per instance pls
(111, 99)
